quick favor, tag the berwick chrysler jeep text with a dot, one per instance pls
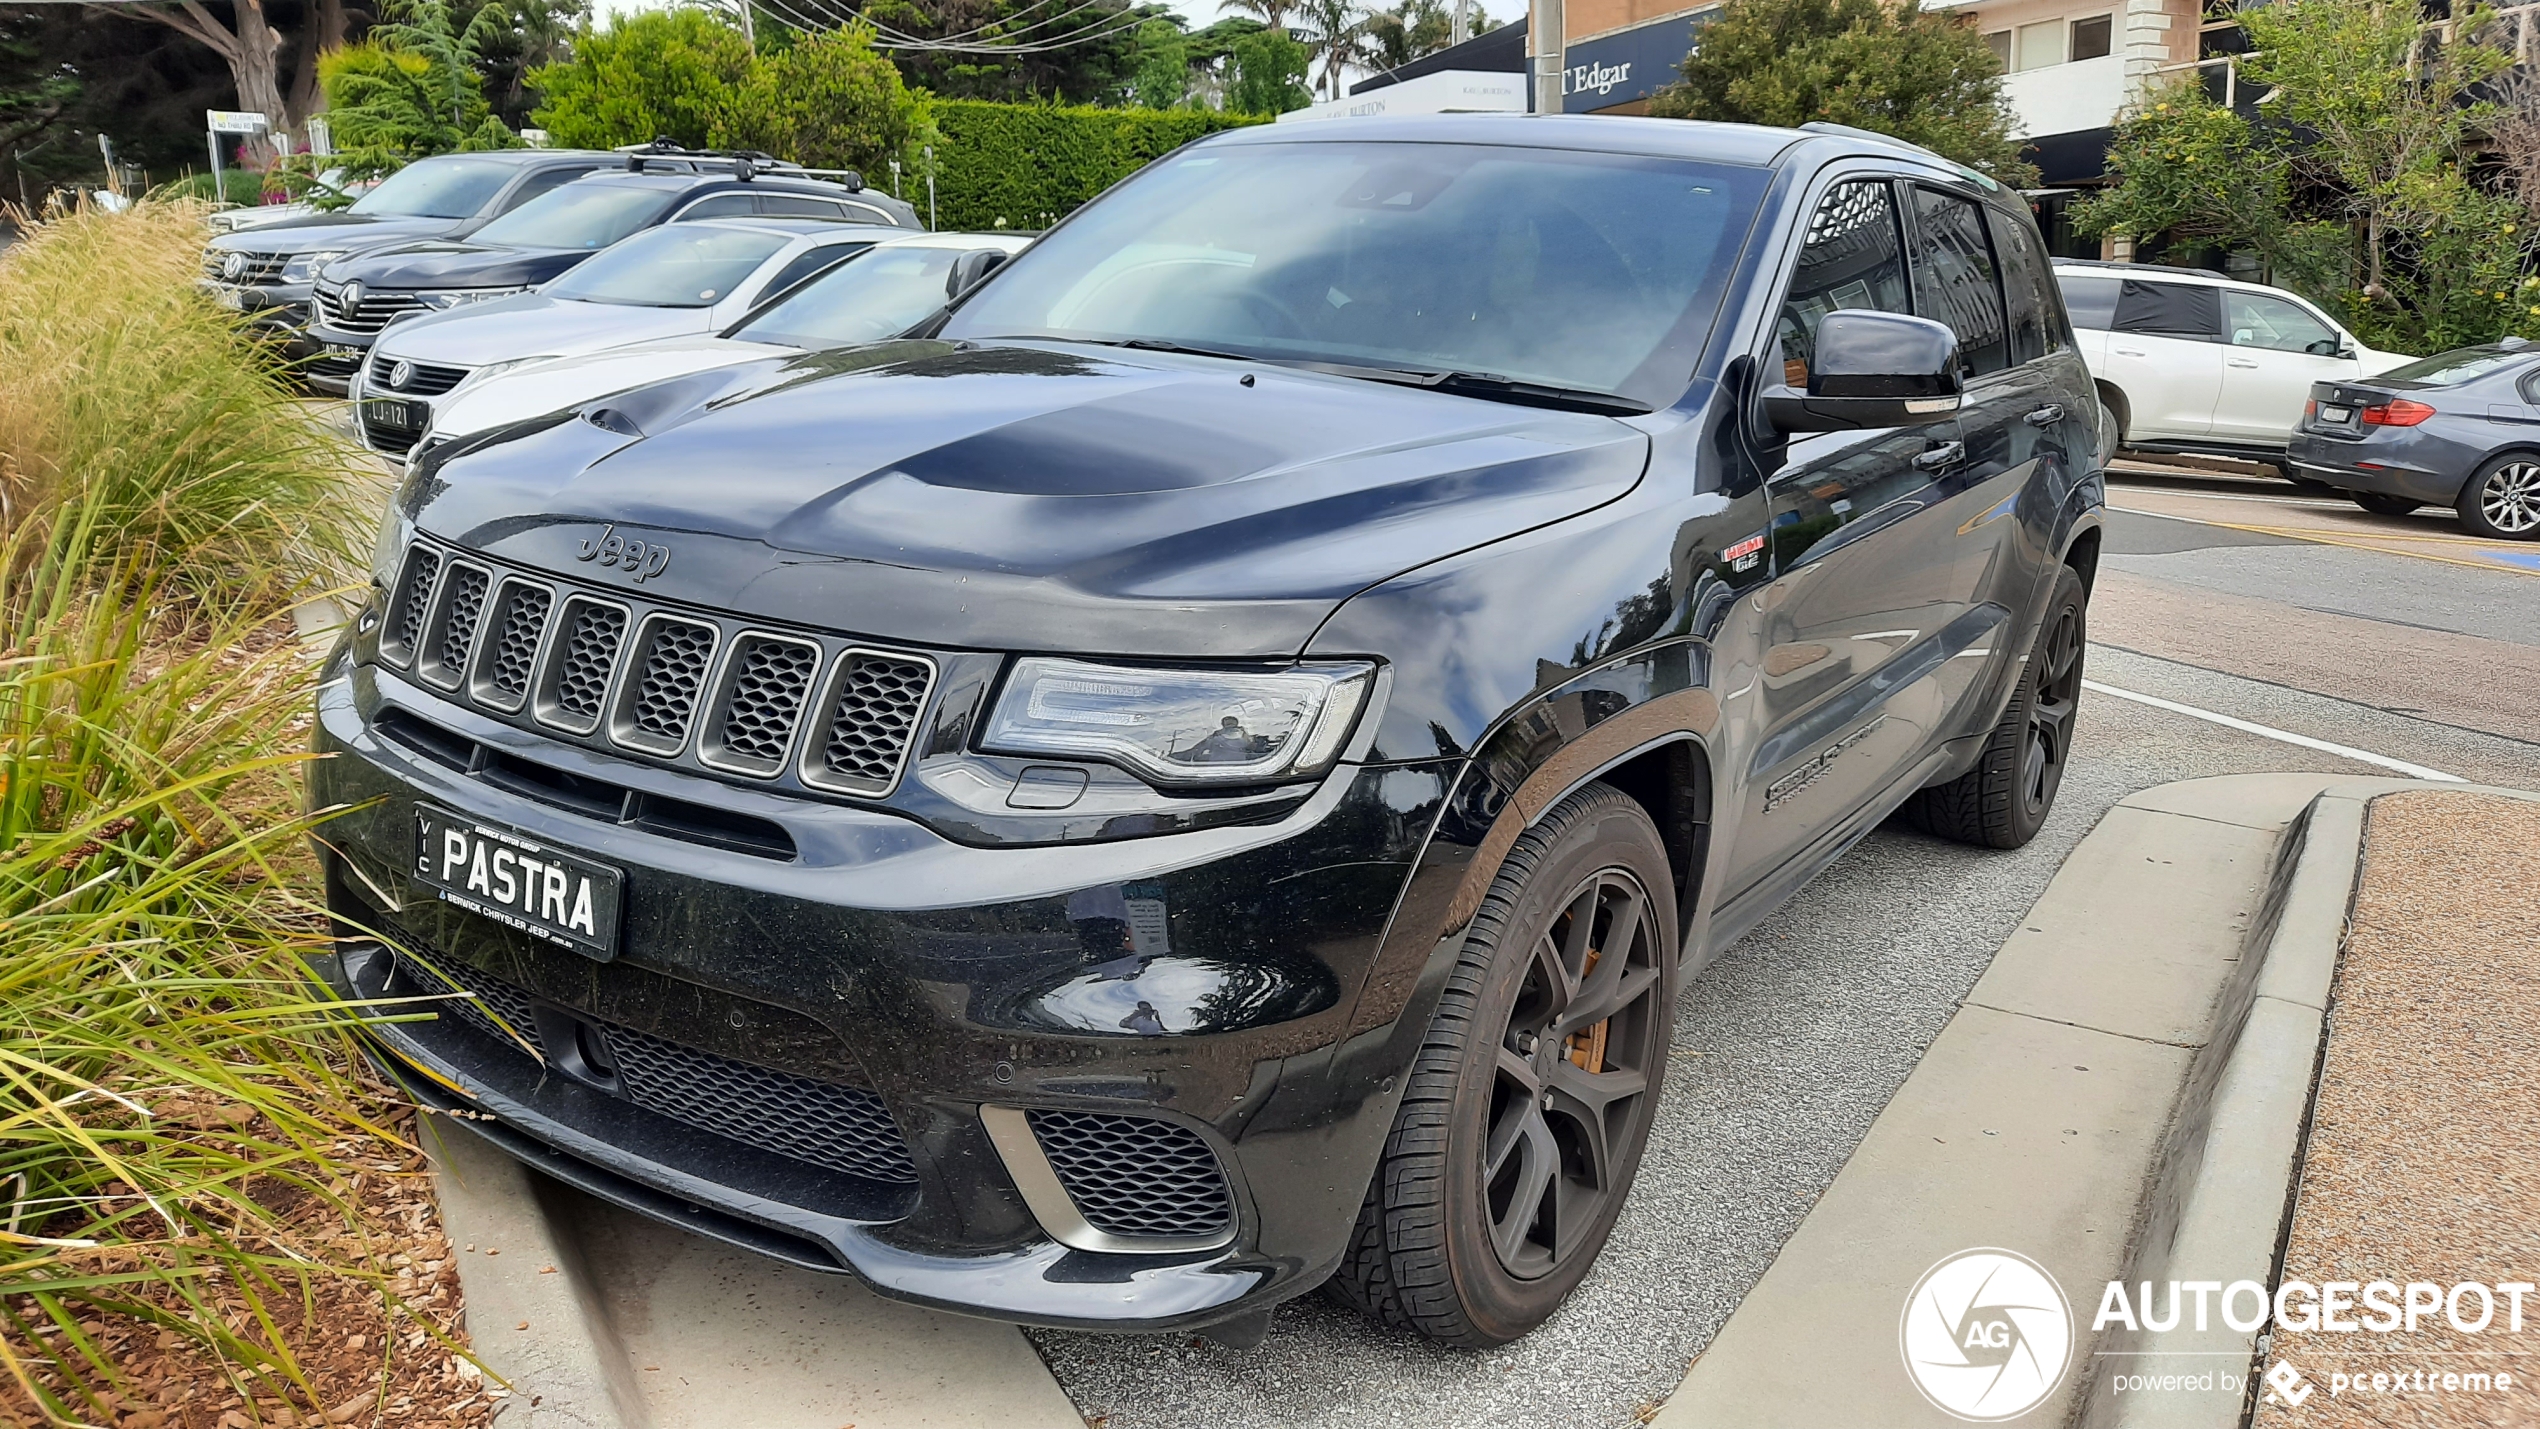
(1199, 771)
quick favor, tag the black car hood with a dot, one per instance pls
(454, 265)
(335, 230)
(1025, 496)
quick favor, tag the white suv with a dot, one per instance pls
(2191, 361)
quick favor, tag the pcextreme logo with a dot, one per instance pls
(1986, 1335)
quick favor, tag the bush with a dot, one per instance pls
(124, 395)
(240, 186)
(1029, 165)
(655, 73)
(166, 1081)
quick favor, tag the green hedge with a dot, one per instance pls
(1029, 165)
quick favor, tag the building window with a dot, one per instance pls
(2039, 45)
(2091, 37)
(2000, 40)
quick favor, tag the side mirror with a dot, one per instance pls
(971, 269)
(1872, 369)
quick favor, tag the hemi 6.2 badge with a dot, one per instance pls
(1744, 555)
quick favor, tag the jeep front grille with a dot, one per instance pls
(1135, 1175)
(823, 711)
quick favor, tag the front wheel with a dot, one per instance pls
(2503, 499)
(2003, 801)
(1527, 1109)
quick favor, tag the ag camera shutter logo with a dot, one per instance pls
(1987, 1334)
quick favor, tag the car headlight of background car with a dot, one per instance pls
(303, 267)
(444, 299)
(497, 369)
(1183, 726)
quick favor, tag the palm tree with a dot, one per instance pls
(1339, 33)
(1273, 13)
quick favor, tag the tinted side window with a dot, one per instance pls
(2027, 290)
(540, 182)
(2260, 320)
(2170, 310)
(2091, 301)
(1954, 279)
(798, 206)
(1852, 258)
(722, 206)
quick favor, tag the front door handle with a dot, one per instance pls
(1941, 457)
(2045, 416)
(2243, 362)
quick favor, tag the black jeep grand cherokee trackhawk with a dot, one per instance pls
(1201, 770)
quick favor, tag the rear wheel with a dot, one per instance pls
(2003, 801)
(1532, 1096)
(2503, 499)
(2380, 505)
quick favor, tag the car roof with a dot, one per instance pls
(787, 226)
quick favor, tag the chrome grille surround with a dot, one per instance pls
(376, 312)
(820, 714)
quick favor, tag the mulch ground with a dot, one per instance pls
(2424, 1155)
(369, 1361)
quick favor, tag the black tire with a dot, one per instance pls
(1441, 1246)
(2004, 800)
(2380, 505)
(2503, 499)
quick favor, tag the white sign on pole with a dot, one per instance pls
(235, 121)
(321, 135)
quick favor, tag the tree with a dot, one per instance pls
(248, 44)
(1163, 77)
(1894, 68)
(1070, 51)
(1270, 69)
(523, 36)
(829, 100)
(1273, 14)
(654, 73)
(2356, 183)
(1411, 30)
(1336, 32)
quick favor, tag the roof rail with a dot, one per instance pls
(746, 163)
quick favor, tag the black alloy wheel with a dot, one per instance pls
(1532, 1097)
(2003, 801)
(2503, 499)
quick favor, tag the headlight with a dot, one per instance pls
(442, 300)
(497, 369)
(1181, 725)
(303, 267)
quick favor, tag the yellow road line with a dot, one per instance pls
(2301, 535)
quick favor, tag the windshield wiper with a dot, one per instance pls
(1494, 387)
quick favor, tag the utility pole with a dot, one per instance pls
(749, 26)
(1546, 36)
(1462, 29)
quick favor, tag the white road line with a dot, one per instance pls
(2364, 756)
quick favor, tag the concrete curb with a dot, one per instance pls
(2222, 1200)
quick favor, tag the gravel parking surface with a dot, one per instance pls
(2424, 1155)
(1787, 1048)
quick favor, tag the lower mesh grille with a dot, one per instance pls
(843, 1128)
(839, 1128)
(1135, 1175)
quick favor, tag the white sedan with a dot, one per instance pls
(881, 292)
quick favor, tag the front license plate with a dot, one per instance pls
(518, 881)
(405, 416)
(2337, 414)
(229, 298)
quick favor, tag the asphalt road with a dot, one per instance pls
(2384, 636)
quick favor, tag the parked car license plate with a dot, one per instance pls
(519, 882)
(2337, 414)
(229, 298)
(405, 416)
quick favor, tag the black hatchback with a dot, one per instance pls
(2459, 429)
(358, 296)
(1200, 771)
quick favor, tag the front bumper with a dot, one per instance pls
(334, 357)
(877, 960)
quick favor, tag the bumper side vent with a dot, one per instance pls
(1135, 1176)
(489, 998)
(843, 1128)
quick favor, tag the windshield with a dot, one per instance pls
(678, 265)
(436, 188)
(880, 294)
(1600, 272)
(579, 215)
(2451, 369)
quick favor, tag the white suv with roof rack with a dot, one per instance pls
(2193, 362)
